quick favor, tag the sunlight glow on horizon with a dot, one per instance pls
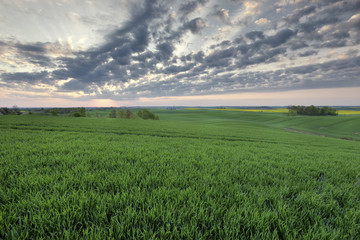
(320, 97)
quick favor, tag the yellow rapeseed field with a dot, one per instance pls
(348, 112)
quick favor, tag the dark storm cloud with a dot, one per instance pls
(122, 56)
(236, 55)
(305, 77)
(30, 48)
(302, 70)
(255, 35)
(91, 67)
(39, 60)
(262, 49)
(279, 38)
(144, 56)
(259, 40)
(308, 53)
(25, 77)
(314, 23)
(220, 55)
(333, 44)
(199, 56)
(296, 44)
(178, 69)
(37, 47)
(195, 25)
(186, 58)
(33, 53)
(165, 51)
(189, 7)
(299, 13)
(346, 65)
(331, 15)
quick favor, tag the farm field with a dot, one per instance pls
(274, 110)
(195, 174)
(342, 126)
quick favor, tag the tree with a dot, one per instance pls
(112, 113)
(139, 113)
(311, 111)
(129, 114)
(82, 111)
(77, 112)
(15, 110)
(292, 112)
(54, 112)
(120, 113)
(5, 111)
(146, 114)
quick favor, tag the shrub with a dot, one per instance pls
(146, 114)
(311, 111)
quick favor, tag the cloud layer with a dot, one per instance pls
(187, 48)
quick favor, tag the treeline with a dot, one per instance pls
(71, 112)
(10, 111)
(312, 111)
(127, 114)
(121, 113)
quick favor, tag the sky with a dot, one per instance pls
(69, 53)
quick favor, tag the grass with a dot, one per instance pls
(196, 174)
(276, 110)
(342, 126)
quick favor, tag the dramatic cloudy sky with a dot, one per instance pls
(194, 52)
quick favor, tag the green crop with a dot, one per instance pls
(204, 177)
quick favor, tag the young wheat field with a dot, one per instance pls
(195, 174)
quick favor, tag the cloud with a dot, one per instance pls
(195, 25)
(178, 69)
(166, 48)
(223, 15)
(37, 47)
(25, 77)
(165, 51)
(294, 17)
(304, 77)
(262, 21)
(29, 54)
(279, 38)
(251, 7)
(97, 65)
(199, 56)
(255, 35)
(308, 53)
(189, 7)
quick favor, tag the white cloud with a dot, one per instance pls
(262, 21)
(251, 7)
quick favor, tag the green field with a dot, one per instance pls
(195, 174)
(342, 126)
